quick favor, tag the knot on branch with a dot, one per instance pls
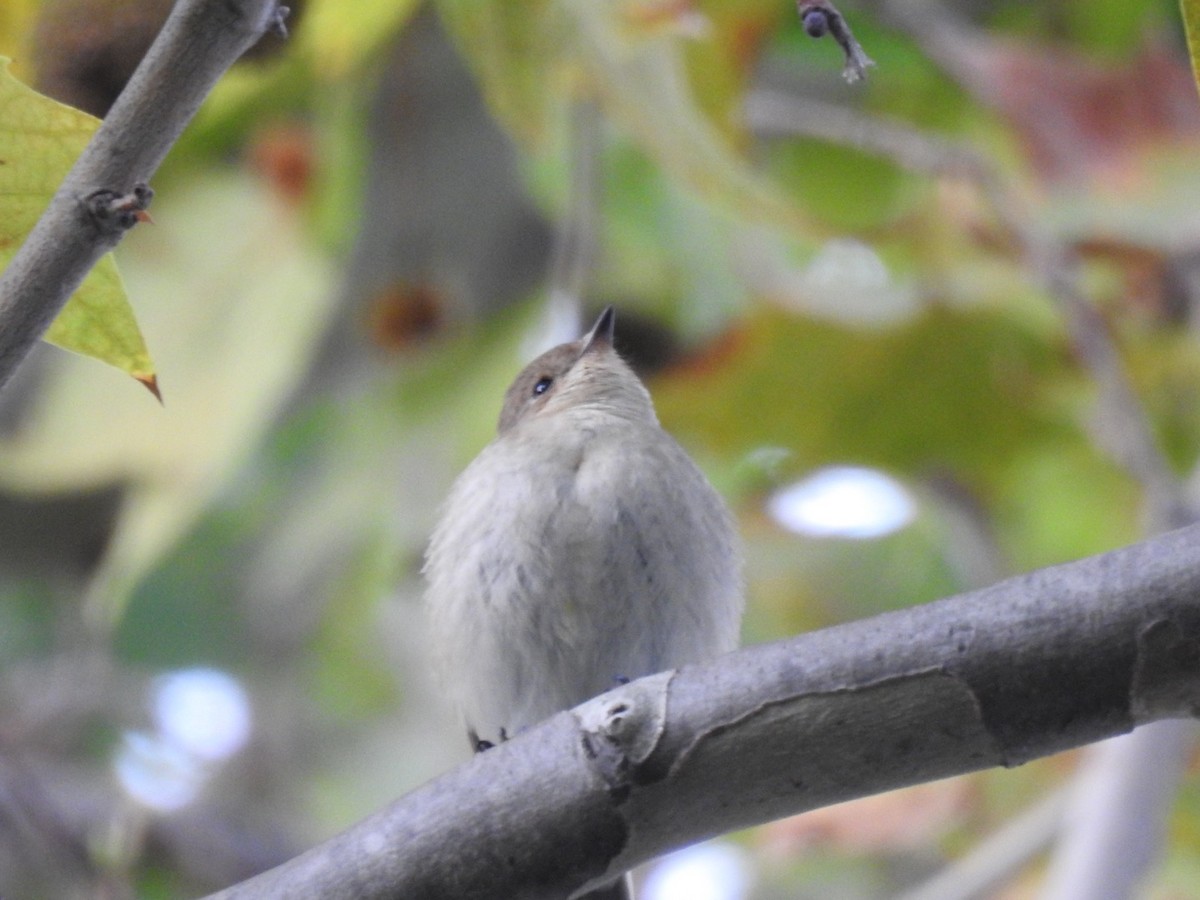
(1168, 669)
(115, 213)
(620, 729)
(277, 21)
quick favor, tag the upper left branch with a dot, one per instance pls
(102, 194)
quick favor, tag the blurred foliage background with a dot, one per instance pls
(370, 226)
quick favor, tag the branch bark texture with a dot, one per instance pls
(200, 40)
(1031, 666)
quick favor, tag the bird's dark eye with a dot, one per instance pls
(543, 385)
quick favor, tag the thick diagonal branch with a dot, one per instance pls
(1031, 666)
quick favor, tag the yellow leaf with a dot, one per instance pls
(258, 275)
(519, 53)
(98, 322)
(339, 40)
(40, 140)
(17, 18)
(1190, 9)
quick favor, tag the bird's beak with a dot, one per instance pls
(601, 334)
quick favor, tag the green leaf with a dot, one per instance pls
(948, 390)
(532, 58)
(40, 140)
(517, 52)
(644, 84)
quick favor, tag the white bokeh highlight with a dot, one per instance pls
(717, 870)
(204, 711)
(202, 717)
(843, 502)
(156, 773)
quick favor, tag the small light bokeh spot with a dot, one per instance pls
(843, 502)
(203, 711)
(156, 773)
(202, 717)
(717, 870)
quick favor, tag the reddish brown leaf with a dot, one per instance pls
(283, 153)
(403, 314)
(1079, 118)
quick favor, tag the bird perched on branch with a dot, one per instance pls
(580, 549)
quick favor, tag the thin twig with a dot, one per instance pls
(994, 861)
(42, 833)
(1125, 432)
(820, 17)
(775, 113)
(575, 243)
(574, 252)
(1119, 797)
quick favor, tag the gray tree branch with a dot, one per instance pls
(1113, 842)
(1037, 664)
(92, 209)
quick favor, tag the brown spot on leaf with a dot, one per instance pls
(712, 356)
(283, 153)
(404, 314)
(1078, 117)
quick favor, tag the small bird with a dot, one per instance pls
(580, 549)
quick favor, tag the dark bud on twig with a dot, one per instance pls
(815, 23)
(116, 212)
(820, 18)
